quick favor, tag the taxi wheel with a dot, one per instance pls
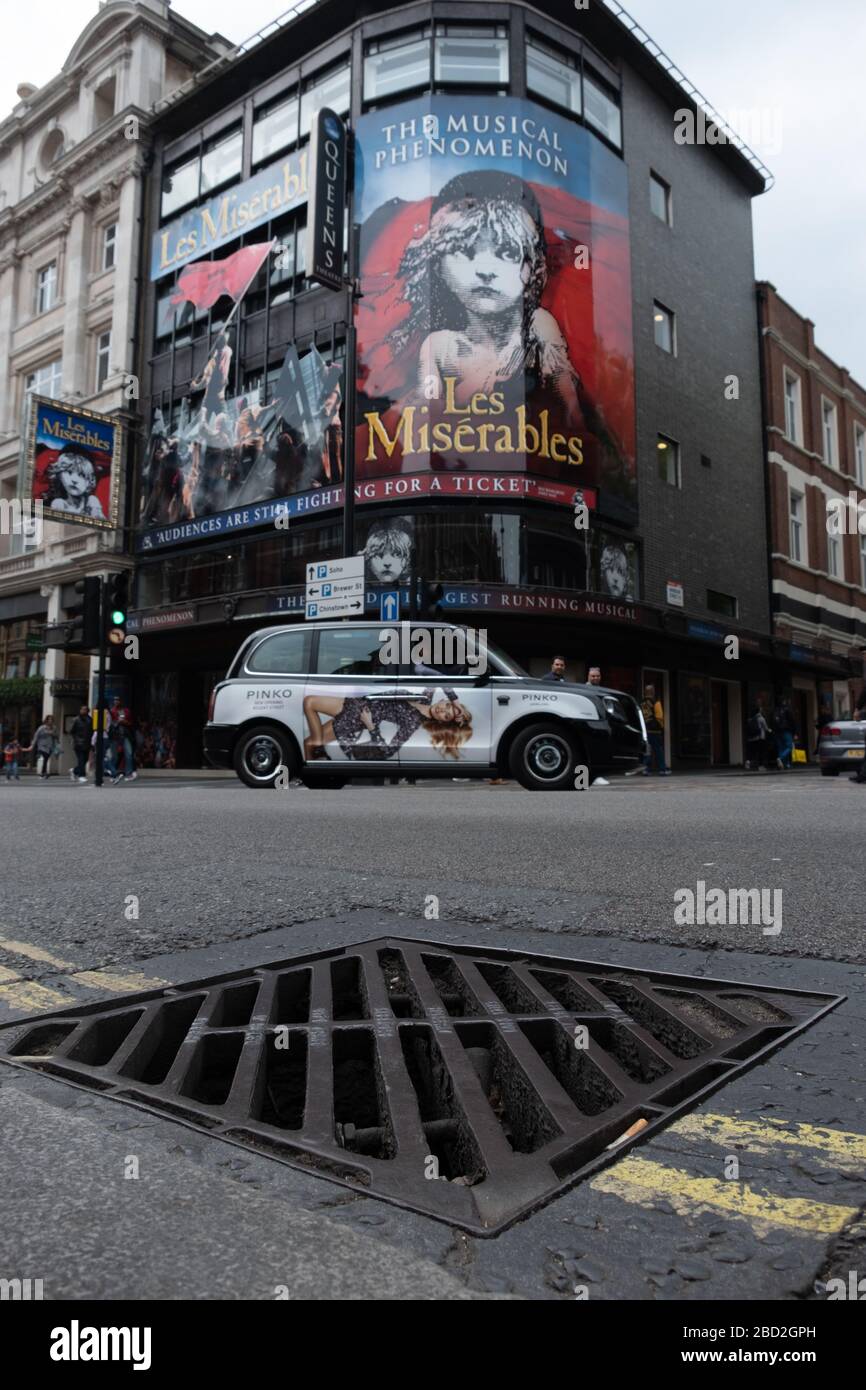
(260, 753)
(544, 758)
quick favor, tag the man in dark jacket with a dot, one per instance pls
(557, 670)
(81, 733)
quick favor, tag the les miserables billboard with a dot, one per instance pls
(494, 324)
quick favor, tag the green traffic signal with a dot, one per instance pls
(118, 617)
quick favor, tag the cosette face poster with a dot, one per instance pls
(494, 324)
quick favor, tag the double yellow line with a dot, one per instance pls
(642, 1181)
(30, 996)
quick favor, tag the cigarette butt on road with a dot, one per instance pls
(629, 1134)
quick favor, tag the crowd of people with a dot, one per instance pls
(118, 743)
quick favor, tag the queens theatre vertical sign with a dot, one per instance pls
(327, 207)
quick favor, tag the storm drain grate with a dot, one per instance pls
(471, 1085)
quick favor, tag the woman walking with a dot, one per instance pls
(45, 743)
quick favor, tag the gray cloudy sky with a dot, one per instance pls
(772, 56)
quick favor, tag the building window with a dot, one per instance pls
(796, 527)
(830, 451)
(663, 328)
(46, 288)
(833, 556)
(829, 437)
(103, 359)
(601, 109)
(553, 75)
(792, 407)
(221, 161)
(180, 186)
(330, 89)
(860, 454)
(668, 452)
(104, 102)
(47, 380)
(863, 562)
(275, 129)
(660, 198)
(109, 246)
(397, 65)
(471, 56)
(725, 604)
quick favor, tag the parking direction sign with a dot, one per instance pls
(335, 588)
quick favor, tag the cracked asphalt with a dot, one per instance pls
(103, 891)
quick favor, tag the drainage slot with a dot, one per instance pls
(360, 1113)
(292, 997)
(349, 998)
(511, 990)
(285, 1094)
(634, 1057)
(213, 1068)
(451, 987)
(152, 1060)
(573, 1068)
(703, 1013)
(103, 1038)
(526, 1122)
(443, 1121)
(691, 1084)
(754, 1044)
(235, 1006)
(759, 1009)
(402, 994)
(566, 992)
(42, 1040)
(678, 1039)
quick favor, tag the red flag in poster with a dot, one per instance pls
(204, 282)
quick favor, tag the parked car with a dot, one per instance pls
(318, 701)
(841, 744)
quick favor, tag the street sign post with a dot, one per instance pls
(335, 588)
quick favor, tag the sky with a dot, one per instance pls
(794, 80)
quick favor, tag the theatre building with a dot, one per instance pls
(555, 401)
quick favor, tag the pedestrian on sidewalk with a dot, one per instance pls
(594, 675)
(785, 728)
(557, 670)
(654, 718)
(11, 753)
(46, 744)
(81, 729)
(120, 735)
(757, 740)
(860, 714)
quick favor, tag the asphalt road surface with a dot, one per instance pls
(140, 886)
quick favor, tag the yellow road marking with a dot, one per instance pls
(23, 948)
(131, 983)
(31, 997)
(639, 1180)
(838, 1146)
(8, 974)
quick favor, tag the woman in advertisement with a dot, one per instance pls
(446, 720)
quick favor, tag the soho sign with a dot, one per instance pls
(327, 202)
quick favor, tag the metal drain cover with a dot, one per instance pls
(469, 1084)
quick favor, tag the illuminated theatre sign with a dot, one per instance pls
(269, 193)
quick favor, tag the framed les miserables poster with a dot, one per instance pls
(73, 463)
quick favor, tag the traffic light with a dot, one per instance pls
(117, 606)
(83, 630)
